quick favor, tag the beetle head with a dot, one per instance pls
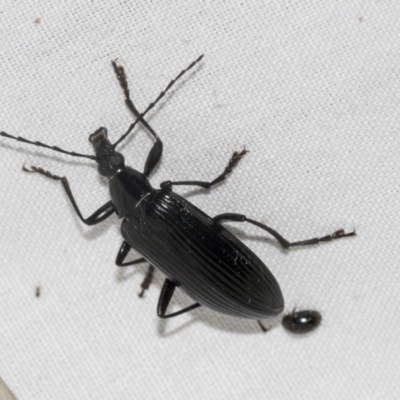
(109, 161)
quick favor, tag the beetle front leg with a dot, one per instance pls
(282, 241)
(165, 297)
(233, 162)
(156, 151)
(98, 216)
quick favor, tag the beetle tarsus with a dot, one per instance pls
(339, 234)
(42, 171)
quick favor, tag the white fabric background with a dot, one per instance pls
(312, 90)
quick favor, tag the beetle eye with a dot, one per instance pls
(116, 160)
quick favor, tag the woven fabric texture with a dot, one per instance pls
(312, 89)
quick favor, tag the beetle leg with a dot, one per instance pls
(263, 328)
(147, 280)
(119, 71)
(282, 241)
(122, 253)
(165, 297)
(233, 162)
(98, 216)
(156, 151)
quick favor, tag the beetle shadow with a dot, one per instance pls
(218, 321)
(180, 300)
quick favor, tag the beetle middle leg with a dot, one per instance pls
(282, 241)
(122, 253)
(165, 297)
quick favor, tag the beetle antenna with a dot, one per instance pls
(160, 96)
(40, 144)
(150, 106)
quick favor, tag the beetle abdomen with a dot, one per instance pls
(209, 263)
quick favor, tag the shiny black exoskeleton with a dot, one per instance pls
(193, 250)
(301, 321)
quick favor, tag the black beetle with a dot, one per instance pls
(193, 250)
(301, 321)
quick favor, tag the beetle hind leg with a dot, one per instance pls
(166, 294)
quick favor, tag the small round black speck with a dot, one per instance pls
(301, 321)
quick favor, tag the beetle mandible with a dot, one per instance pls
(195, 251)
